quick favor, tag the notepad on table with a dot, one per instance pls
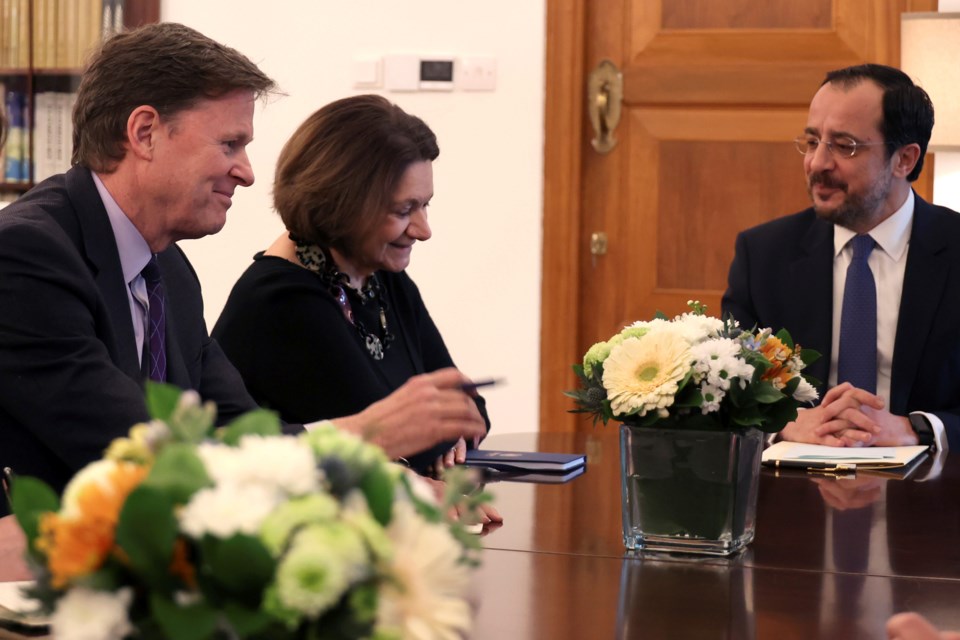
(525, 460)
(815, 456)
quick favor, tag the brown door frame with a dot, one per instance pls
(562, 251)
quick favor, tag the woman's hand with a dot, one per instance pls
(456, 455)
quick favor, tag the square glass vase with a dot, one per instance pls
(688, 490)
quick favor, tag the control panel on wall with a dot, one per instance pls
(406, 72)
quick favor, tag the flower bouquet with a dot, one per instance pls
(184, 531)
(694, 394)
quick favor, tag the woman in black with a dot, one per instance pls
(326, 321)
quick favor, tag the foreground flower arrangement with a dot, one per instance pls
(697, 372)
(183, 531)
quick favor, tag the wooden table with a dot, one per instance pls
(832, 557)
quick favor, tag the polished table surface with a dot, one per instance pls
(832, 557)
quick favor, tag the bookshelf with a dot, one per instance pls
(43, 47)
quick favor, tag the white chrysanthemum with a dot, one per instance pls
(427, 598)
(656, 323)
(712, 397)
(286, 462)
(643, 374)
(278, 461)
(228, 509)
(85, 614)
(696, 328)
(805, 392)
(324, 560)
(718, 362)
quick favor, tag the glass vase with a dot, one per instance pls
(688, 490)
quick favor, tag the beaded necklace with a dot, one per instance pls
(318, 261)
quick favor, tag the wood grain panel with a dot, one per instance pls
(702, 206)
(747, 14)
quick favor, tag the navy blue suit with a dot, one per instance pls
(782, 277)
(70, 378)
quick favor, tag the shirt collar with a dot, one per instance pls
(133, 249)
(892, 235)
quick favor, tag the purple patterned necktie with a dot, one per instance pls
(157, 323)
(857, 359)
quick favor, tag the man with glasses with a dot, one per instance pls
(869, 275)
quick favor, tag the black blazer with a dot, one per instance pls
(782, 277)
(70, 381)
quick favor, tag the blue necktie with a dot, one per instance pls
(857, 361)
(157, 322)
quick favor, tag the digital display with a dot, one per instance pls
(436, 70)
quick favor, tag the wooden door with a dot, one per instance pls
(714, 93)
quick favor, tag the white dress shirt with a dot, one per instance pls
(888, 262)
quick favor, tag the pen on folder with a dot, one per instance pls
(813, 465)
(473, 386)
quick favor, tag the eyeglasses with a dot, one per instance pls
(844, 146)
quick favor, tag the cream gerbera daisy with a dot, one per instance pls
(426, 599)
(642, 375)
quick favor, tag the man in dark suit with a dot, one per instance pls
(864, 143)
(161, 124)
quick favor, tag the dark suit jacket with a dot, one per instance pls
(70, 381)
(782, 277)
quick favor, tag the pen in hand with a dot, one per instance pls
(470, 387)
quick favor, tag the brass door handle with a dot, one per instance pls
(604, 98)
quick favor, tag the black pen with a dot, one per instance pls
(472, 386)
(810, 465)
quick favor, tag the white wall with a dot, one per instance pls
(480, 273)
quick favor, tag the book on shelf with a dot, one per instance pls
(16, 149)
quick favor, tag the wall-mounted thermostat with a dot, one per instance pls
(436, 74)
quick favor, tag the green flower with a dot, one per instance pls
(327, 441)
(594, 356)
(324, 560)
(289, 516)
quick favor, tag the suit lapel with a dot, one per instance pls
(810, 296)
(923, 287)
(100, 248)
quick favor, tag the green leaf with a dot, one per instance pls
(30, 498)
(193, 622)
(178, 472)
(146, 531)
(784, 336)
(246, 622)
(809, 356)
(240, 565)
(766, 393)
(162, 400)
(260, 422)
(377, 486)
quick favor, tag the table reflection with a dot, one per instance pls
(861, 523)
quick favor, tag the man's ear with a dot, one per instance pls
(905, 159)
(143, 129)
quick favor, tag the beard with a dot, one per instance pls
(857, 208)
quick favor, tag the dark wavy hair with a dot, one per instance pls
(907, 109)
